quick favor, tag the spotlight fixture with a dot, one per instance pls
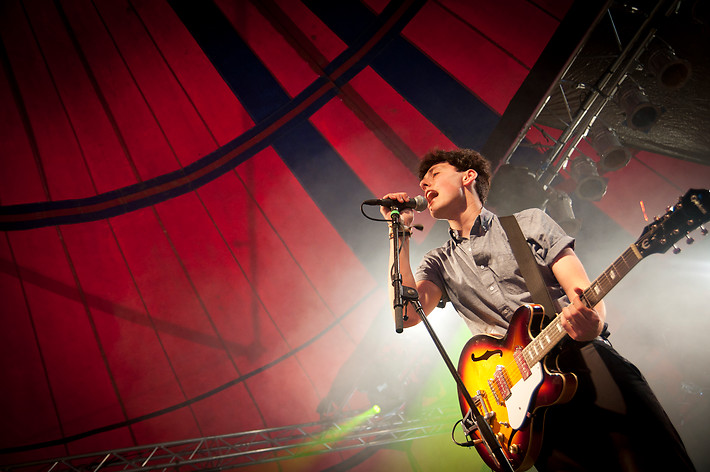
(559, 207)
(513, 189)
(671, 72)
(641, 114)
(589, 185)
(612, 154)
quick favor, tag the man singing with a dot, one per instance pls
(614, 421)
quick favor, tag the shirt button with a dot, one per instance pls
(491, 288)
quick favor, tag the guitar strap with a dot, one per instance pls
(528, 266)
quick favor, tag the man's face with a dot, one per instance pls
(444, 190)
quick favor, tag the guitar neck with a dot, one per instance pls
(611, 276)
(554, 332)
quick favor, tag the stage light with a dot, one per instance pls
(641, 114)
(589, 185)
(317, 442)
(559, 207)
(513, 189)
(670, 71)
(612, 154)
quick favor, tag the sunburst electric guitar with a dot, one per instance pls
(513, 379)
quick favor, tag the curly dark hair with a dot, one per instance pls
(462, 160)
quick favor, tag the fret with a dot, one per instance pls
(612, 273)
(629, 259)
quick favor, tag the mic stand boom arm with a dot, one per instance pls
(410, 295)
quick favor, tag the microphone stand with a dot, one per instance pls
(410, 295)
(398, 303)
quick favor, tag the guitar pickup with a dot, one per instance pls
(502, 381)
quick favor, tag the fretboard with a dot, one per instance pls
(611, 276)
(554, 332)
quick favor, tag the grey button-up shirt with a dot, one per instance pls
(480, 275)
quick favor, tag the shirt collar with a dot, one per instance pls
(479, 228)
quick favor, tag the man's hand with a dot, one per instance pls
(407, 213)
(580, 322)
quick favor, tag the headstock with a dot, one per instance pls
(691, 211)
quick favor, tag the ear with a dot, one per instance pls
(469, 177)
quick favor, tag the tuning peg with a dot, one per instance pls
(703, 230)
(676, 249)
(689, 239)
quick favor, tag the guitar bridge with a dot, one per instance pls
(492, 386)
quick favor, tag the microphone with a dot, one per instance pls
(418, 203)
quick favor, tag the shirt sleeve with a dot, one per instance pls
(546, 238)
(431, 269)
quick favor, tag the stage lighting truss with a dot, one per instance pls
(599, 95)
(232, 451)
(615, 85)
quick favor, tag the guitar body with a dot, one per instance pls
(488, 367)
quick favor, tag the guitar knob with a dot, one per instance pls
(514, 449)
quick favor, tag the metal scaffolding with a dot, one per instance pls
(596, 94)
(601, 92)
(606, 67)
(249, 448)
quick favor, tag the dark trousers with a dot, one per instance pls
(613, 423)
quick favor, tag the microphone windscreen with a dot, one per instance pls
(421, 203)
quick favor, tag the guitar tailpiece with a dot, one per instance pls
(469, 424)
